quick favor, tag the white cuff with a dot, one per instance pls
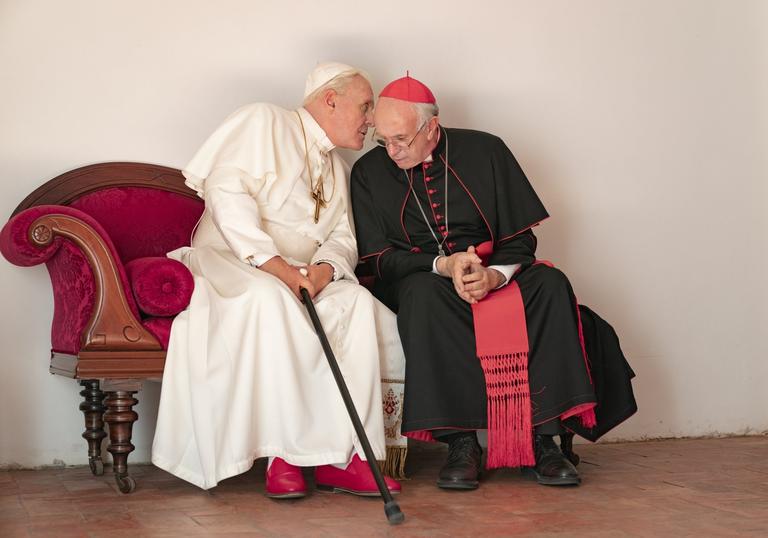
(434, 265)
(338, 274)
(507, 271)
(257, 260)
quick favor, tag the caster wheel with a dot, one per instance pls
(125, 484)
(97, 466)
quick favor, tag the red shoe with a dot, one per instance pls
(357, 478)
(285, 481)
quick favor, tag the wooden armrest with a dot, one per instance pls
(112, 324)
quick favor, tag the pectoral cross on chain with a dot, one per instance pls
(317, 196)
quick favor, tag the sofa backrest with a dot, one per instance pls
(146, 209)
(142, 221)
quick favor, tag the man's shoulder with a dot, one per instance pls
(472, 137)
(374, 157)
(266, 112)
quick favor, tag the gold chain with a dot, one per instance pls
(316, 190)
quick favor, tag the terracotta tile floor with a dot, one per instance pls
(712, 487)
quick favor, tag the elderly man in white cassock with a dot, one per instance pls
(245, 374)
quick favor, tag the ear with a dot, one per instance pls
(432, 127)
(329, 99)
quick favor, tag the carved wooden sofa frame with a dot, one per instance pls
(104, 341)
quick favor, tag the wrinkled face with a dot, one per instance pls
(407, 140)
(352, 114)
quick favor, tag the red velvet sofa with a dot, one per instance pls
(102, 231)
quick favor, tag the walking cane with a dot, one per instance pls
(391, 509)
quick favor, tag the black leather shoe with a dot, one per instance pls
(566, 446)
(552, 467)
(462, 469)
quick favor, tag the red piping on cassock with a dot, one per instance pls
(463, 186)
(402, 209)
(507, 238)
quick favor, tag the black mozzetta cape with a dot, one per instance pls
(489, 198)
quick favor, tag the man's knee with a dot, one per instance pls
(360, 296)
(551, 279)
(419, 287)
(346, 295)
(265, 289)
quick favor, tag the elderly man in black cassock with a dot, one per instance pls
(494, 339)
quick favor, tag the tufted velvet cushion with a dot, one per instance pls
(161, 286)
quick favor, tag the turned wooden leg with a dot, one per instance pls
(120, 417)
(93, 409)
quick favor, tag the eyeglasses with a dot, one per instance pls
(398, 145)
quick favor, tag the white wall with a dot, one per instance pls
(643, 125)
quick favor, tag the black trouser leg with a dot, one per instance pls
(448, 435)
(551, 427)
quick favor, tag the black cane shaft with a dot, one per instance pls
(349, 404)
(358, 425)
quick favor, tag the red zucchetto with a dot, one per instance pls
(408, 89)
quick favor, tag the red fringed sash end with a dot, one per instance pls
(509, 410)
(501, 336)
(502, 346)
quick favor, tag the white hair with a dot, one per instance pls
(338, 84)
(425, 111)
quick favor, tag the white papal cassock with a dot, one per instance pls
(245, 375)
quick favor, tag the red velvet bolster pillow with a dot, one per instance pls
(161, 286)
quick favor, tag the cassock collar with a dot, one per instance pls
(439, 148)
(316, 136)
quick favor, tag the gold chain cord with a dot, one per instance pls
(317, 190)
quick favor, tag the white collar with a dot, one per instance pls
(430, 158)
(315, 134)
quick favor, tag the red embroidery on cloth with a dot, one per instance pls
(391, 402)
